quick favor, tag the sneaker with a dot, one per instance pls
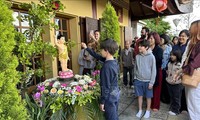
(147, 114)
(139, 114)
(132, 86)
(172, 113)
(184, 112)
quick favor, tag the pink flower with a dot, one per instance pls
(37, 96)
(63, 85)
(93, 83)
(94, 73)
(41, 88)
(69, 91)
(78, 88)
(98, 71)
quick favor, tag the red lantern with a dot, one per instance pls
(56, 5)
(159, 5)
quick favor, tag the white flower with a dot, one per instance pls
(86, 76)
(56, 84)
(74, 83)
(46, 84)
(78, 76)
(88, 80)
(81, 82)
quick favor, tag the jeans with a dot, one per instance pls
(125, 76)
(111, 105)
(175, 92)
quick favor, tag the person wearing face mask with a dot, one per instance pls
(144, 35)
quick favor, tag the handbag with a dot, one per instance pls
(188, 80)
(191, 81)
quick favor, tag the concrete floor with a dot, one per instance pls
(128, 108)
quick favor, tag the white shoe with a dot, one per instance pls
(172, 113)
(132, 86)
(139, 114)
(147, 114)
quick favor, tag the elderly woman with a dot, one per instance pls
(154, 39)
(192, 94)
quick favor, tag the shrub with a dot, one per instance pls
(11, 105)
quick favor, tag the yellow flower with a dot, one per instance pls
(77, 93)
(53, 90)
(60, 92)
(46, 91)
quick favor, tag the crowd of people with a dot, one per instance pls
(154, 64)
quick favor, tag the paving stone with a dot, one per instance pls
(128, 107)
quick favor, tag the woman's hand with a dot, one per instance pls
(177, 75)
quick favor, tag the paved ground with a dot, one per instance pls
(128, 109)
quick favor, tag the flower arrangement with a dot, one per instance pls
(66, 99)
(81, 91)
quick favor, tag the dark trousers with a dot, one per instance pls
(127, 70)
(165, 98)
(111, 110)
(175, 92)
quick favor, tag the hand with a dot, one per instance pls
(102, 107)
(83, 45)
(87, 58)
(177, 75)
(150, 86)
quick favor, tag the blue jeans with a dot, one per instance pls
(111, 106)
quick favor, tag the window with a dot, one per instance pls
(63, 27)
(22, 26)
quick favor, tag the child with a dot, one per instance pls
(63, 53)
(174, 86)
(86, 61)
(108, 78)
(144, 75)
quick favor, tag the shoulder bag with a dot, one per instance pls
(191, 81)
